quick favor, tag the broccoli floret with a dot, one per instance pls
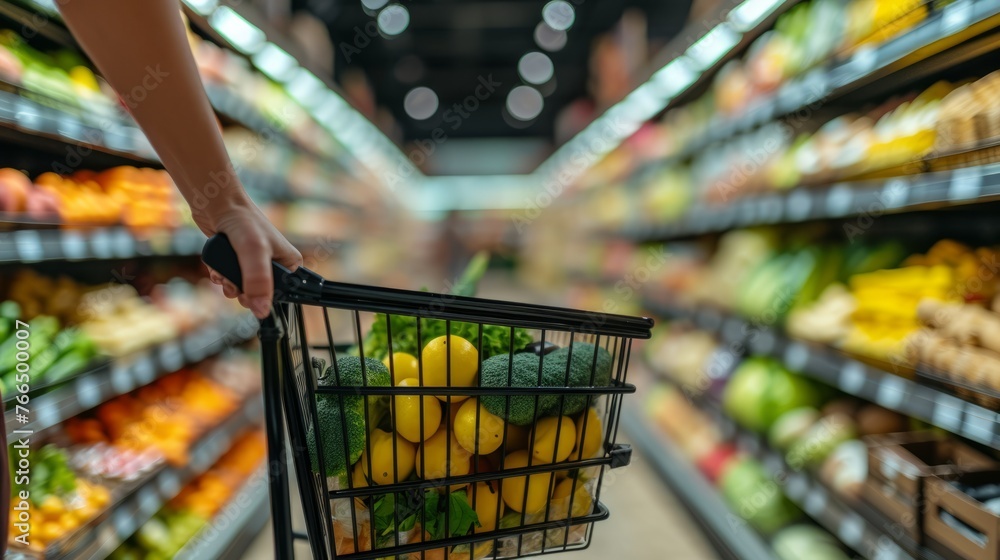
(329, 418)
(581, 370)
(332, 411)
(523, 373)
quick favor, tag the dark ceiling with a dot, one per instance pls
(450, 44)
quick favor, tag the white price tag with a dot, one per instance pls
(815, 502)
(763, 343)
(894, 193)
(100, 244)
(979, 424)
(732, 329)
(171, 356)
(799, 205)
(852, 529)
(28, 116)
(863, 61)
(47, 414)
(88, 392)
(838, 200)
(947, 412)
(123, 523)
(124, 244)
(144, 367)
(956, 16)
(852, 377)
(966, 184)
(29, 245)
(149, 501)
(193, 348)
(891, 392)
(74, 246)
(797, 486)
(121, 380)
(796, 356)
(888, 550)
(169, 484)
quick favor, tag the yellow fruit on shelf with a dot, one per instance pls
(554, 439)
(450, 361)
(52, 505)
(489, 435)
(525, 494)
(408, 413)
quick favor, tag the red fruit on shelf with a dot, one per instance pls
(714, 462)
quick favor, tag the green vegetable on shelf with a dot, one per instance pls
(41, 329)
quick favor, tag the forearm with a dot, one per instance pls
(141, 48)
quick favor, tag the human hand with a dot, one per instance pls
(257, 243)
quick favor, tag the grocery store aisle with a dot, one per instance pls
(647, 523)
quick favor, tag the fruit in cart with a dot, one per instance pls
(589, 435)
(489, 435)
(525, 494)
(581, 365)
(410, 418)
(392, 458)
(402, 366)
(450, 361)
(523, 371)
(439, 458)
(487, 502)
(553, 439)
(581, 498)
(352, 371)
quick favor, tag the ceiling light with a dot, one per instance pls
(203, 7)
(420, 103)
(241, 34)
(548, 38)
(305, 88)
(714, 45)
(535, 68)
(675, 77)
(394, 19)
(275, 62)
(559, 14)
(525, 103)
(374, 5)
(749, 14)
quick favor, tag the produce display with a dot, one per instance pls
(197, 504)
(134, 197)
(59, 500)
(166, 416)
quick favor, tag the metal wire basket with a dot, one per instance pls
(412, 441)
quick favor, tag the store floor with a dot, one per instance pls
(647, 523)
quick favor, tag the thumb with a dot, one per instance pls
(258, 283)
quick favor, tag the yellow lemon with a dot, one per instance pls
(402, 366)
(487, 438)
(513, 489)
(458, 371)
(433, 461)
(591, 439)
(546, 433)
(408, 413)
(582, 500)
(392, 458)
(487, 501)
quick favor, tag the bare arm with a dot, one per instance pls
(141, 48)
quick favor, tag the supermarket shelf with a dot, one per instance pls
(851, 376)
(836, 514)
(244, 516)
(52, 127)
(122, 375)
(735, 541)
(932, 36)
(142, 500)
(927, 191)
(38, 245)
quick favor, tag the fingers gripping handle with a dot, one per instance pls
(220, 256)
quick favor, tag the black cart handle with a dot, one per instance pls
(306, 287)
(220, 256)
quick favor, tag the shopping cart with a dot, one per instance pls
(531, 494)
